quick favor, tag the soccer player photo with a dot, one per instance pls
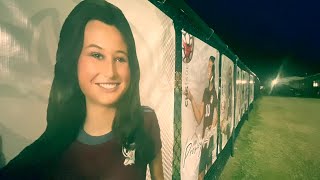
(199, 110)
(226, 113)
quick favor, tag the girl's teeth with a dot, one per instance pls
(108, 86)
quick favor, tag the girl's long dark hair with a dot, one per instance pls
(213, 68)
(66, 108)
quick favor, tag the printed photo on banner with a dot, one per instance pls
(247, 88)
(251, 88)
(238, 97)
(200, 67)
(227, 100)
(29, 67)
(243, 93)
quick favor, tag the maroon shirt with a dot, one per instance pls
(209, 100)
(102, 157)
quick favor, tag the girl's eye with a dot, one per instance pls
(121, 59)
(97, 55)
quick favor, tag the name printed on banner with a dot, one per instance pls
(193, 150)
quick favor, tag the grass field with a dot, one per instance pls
(281, 140)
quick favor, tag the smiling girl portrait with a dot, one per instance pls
(96, 125)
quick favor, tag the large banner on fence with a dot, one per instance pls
(247, 89)
(243, 93)
(200, 73)
(29, 38)
(238, 96)
(227, 100)
(251, 82)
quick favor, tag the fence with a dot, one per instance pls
(199, 89)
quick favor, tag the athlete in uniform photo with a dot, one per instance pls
(239, 98)
(206, 110)
(243, 110)
(226, 121)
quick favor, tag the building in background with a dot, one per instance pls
(311, 86)
(308, 86)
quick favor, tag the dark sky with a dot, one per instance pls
(267, 33)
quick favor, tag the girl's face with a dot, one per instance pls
(210, 64)
(103, 66)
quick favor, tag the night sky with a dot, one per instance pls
(267, 33)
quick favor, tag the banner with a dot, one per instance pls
(227, 100)
(200, 80)
(247, 89)
(243, 93)
(238, 96)
(29, 38)
(251, 88)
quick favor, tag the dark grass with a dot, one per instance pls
(216, 169)
(281, 140)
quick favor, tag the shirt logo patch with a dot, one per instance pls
(129, 156)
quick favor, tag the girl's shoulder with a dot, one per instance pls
(147, 109)
(152, 129)
(151, 126)
(150, 118)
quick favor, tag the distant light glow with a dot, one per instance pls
(261, 87)
(316, 84)
(274, 82)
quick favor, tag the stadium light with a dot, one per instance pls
(274, 82)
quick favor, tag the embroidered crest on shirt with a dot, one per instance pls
(129, 156)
